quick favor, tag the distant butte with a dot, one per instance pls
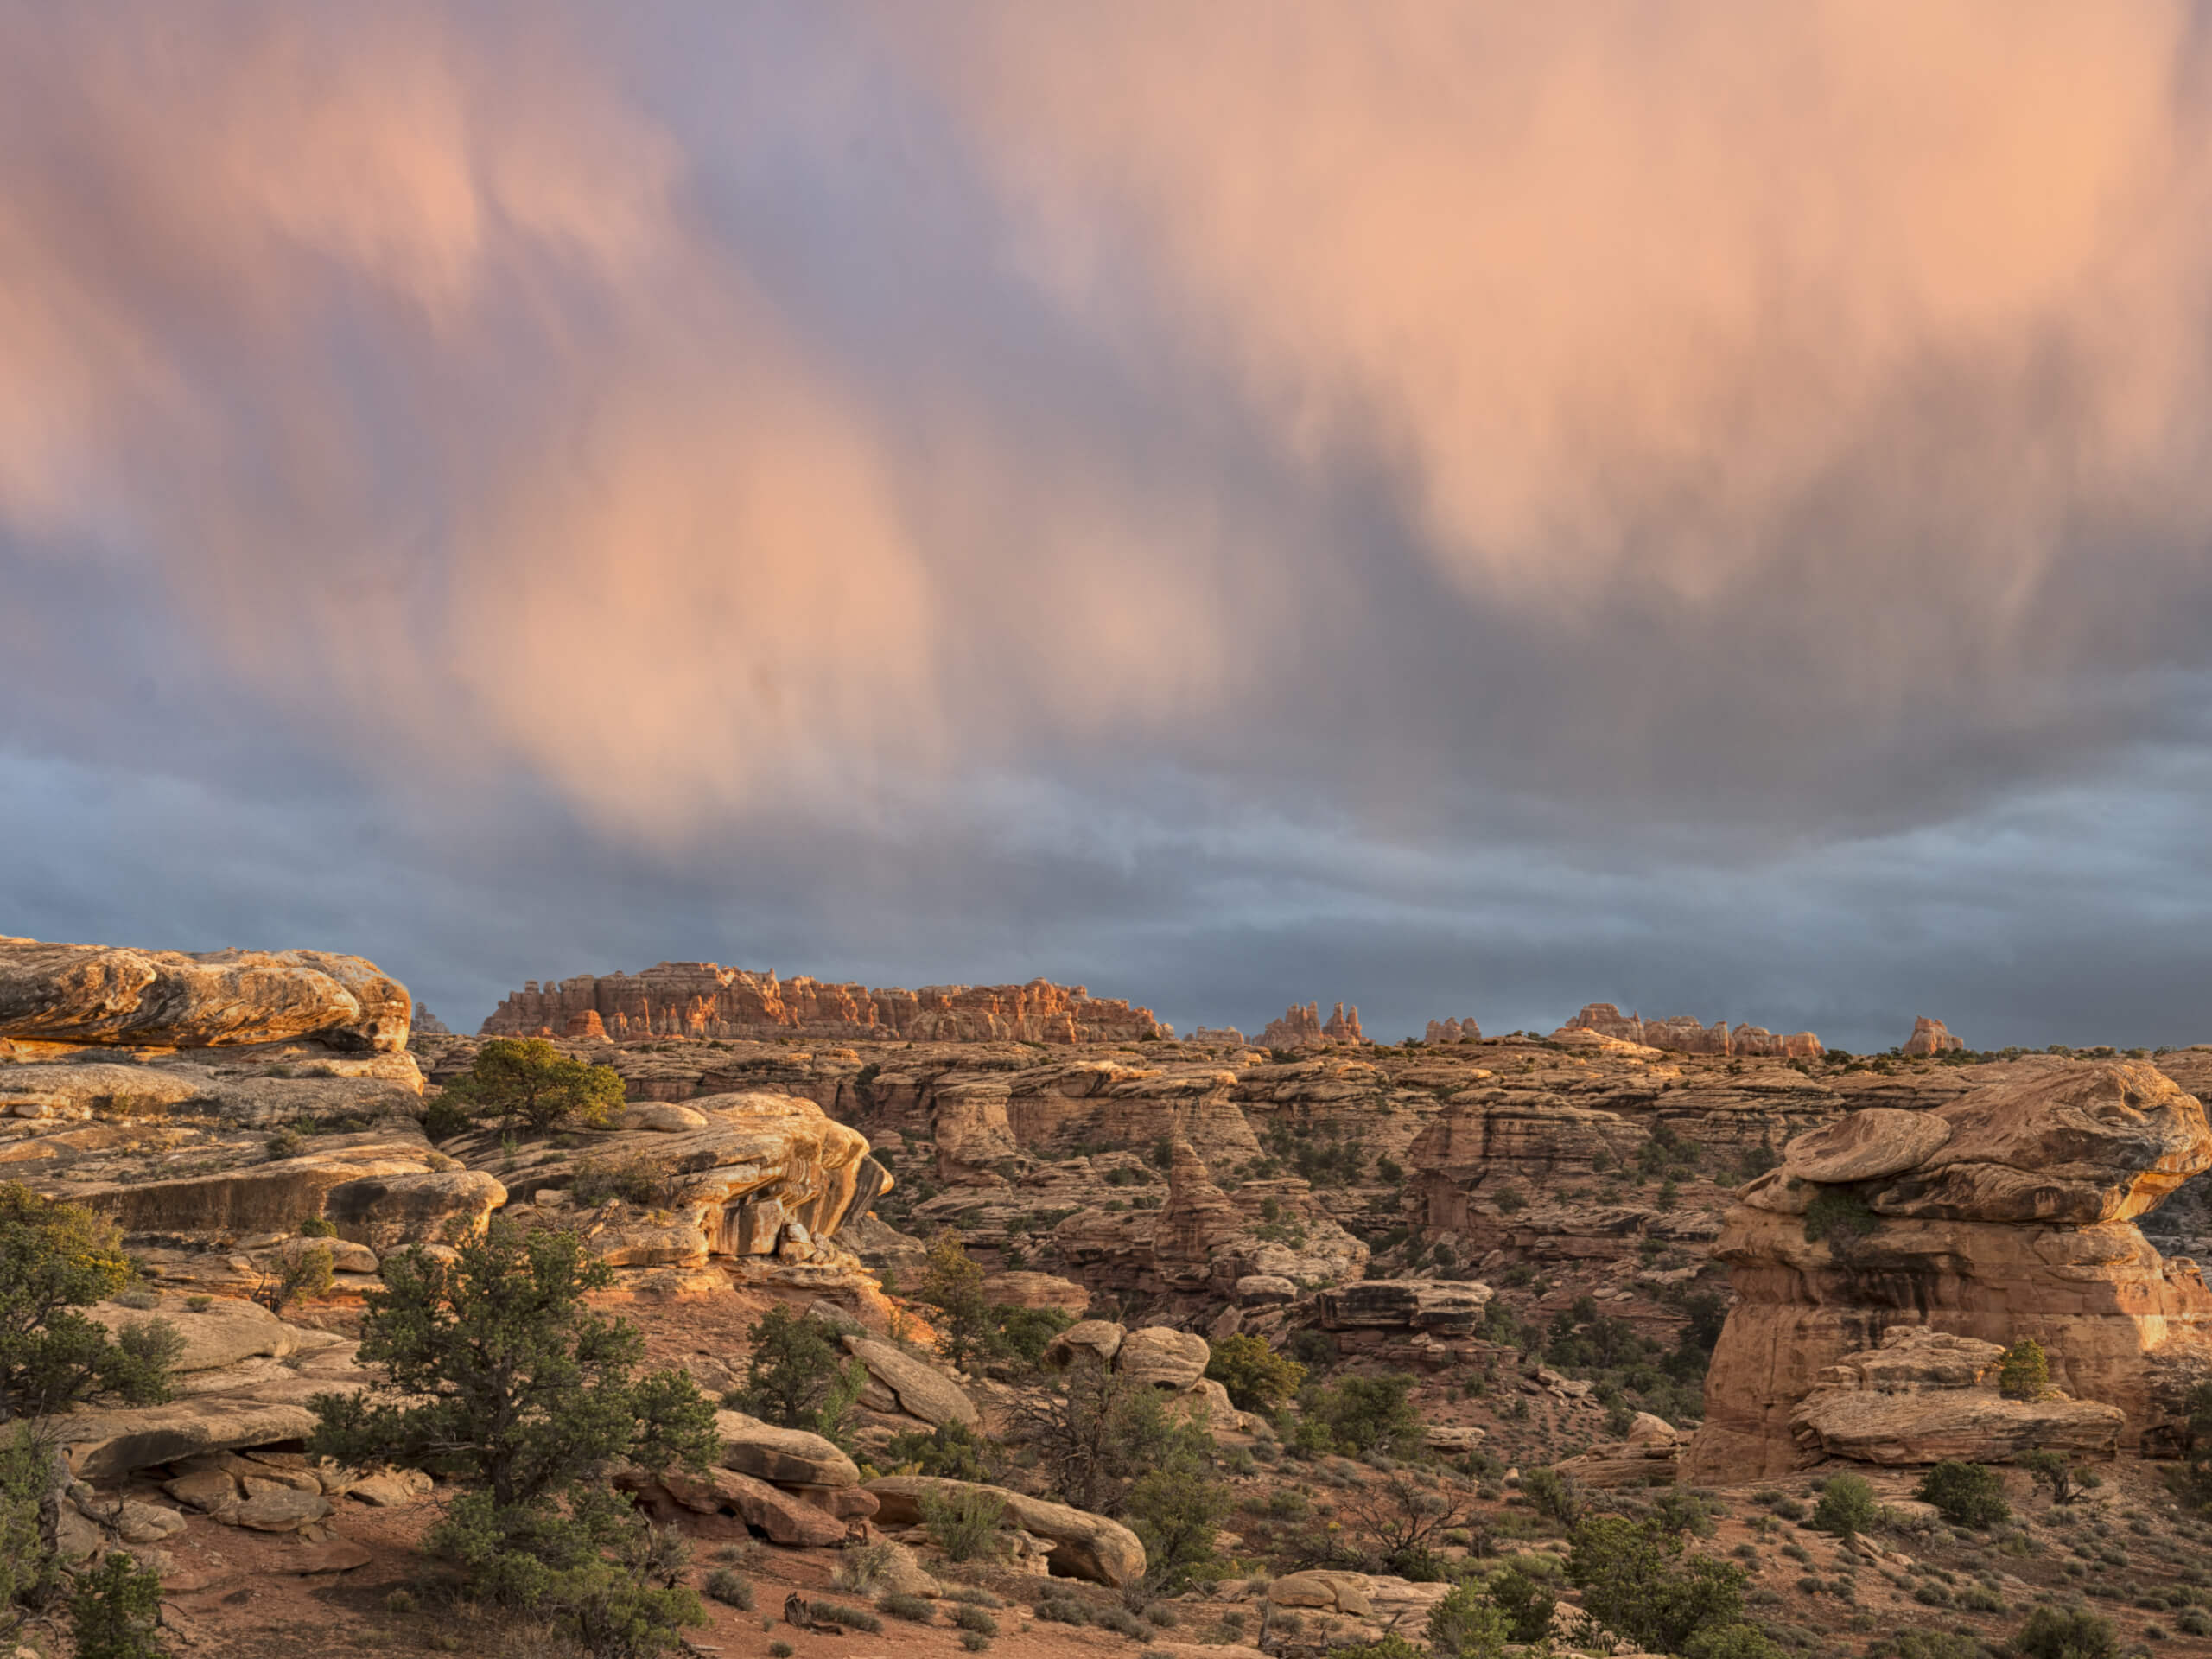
(705, 1000)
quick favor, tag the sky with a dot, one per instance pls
(1463, 510)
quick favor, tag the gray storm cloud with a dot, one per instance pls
(1077, 453)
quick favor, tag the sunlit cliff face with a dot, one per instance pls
(1214, 447)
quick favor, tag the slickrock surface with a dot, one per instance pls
(705, 1000)
(112, 997)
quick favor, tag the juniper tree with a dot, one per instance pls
(528, 1079)
(497, 1373)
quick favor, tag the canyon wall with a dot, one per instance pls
(705, 1000)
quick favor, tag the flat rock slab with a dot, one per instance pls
(279, 1508)
(1866, 1145)
(920, 1390)
(99, 1444)
(791, 1457)
(1968, 1425)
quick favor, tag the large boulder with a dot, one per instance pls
(789, 1457)
(1163, 1358)
(1084, 1546)
(1443, 1304)
(97, 1444)
(386, 1212)
(783, 1516)
(899, 1382)
(95, 993)
(1087, 1342)
(1866, 1145)
(1647, 1457)
(2018, 1223)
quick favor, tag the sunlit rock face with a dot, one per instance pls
(705, 1000)
(1682, 1033)
(2008, 1213)
(1932, 1037)
(115, 996)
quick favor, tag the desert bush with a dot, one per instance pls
(1257, 1377)
(300, 1270)
(496, 1372)
(968, 1617)
(1847, 1506)
(731, 1589)
(1366, 1413)
(1468, 1624)
(1839, 1214)
(963, 1522)
(1097, 1432)
(853, 1618)
(643, 1179)
(2065, 1633)
(915, 1610)
(56, 1258)
(974, 1640)
(1554, 1495)
(951, 1450)
(2060, 1475)
(796, 1374)
(1527, 1603)
(1176, 1512)
(528, 1080)
(1641, 1582)
(2025, 1372)
(115, 1611)
(1964, 1494)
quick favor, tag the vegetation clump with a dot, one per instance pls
(798, 1376)
(528, 1080)
(1256, 1375)
(2025, 1372)
(1964, 1494)
(1847, 1506)
(498, 1374)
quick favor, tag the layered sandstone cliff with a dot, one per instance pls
(705, 1000)
(1682, 1033)
(2007, 1214)
(1304, 1028)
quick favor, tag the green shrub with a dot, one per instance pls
(300, 1270)
(1176, 1512)
(1024, 1333)
(853, 1618)
(1640, 1581)
(56, 1257)
(2062, 1633)
(915, 1610)
(974, 1640)
(1964, 1494)
(796, 1374)
(1553, 1495)
(443, 1119)
(780, 1650)
(975, 1618)
(115, 1612)
(528, 1080)
(493, 1370)
(1847, 1506)
(1528, 1605)
(2060, 1475)
(1468, 1624)
(731, 1589)
(1839, 1216)
(951, 1451)
(2025, 1373)
(1060, 1608)
(318, 1227)
(1257, 1377)
(963, 1522)
(643, 1179)
(1367, 1413)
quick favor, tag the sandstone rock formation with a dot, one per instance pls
(705, 999)
(113, 996)
(1648, 1457)
(1927, 1395)
(2008, 1213)
(1084, 1546)
(1303, 1027)
(1443, 1306)
(1932, 1037)
(1682, 1035)
(1454, 1031)
(1218, 1036)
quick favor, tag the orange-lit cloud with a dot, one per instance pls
(411, 352)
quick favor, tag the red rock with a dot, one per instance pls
(1682, 1035)
(1454, 1031)
(585, 1024)
(1303, 1027)
(1932, 1037)
(705, 999)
